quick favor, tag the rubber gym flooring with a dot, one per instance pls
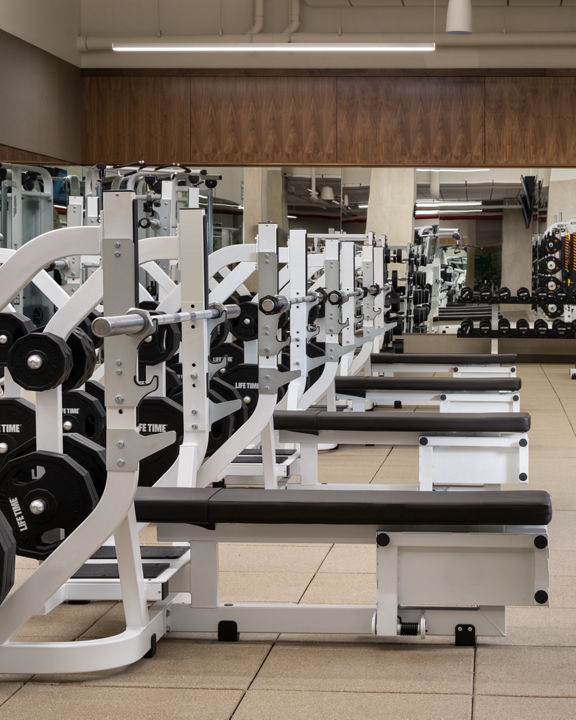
(529, 675)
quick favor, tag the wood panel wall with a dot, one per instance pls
(367, 118)
(15, 155)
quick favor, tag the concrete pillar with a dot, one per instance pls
(264, 201)
(516, 251)
(561, 200)
(391, 204)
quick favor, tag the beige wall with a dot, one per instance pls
(40, 106)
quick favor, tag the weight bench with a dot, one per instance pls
(470, 365)
(446, 563)
(450, 394)
(455, 449)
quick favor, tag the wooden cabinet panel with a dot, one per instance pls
(410, 121)
(530, 121)
(263, 120)
(136, 118)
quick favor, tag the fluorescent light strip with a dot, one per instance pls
(453, 170)
(440, 211)
(362, 207)
(447, 203)
(275, 47)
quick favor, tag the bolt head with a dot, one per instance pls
(148, 339)
(119, 399)
(246, 321)
(120, 444)
(37, 507)
(67, 426)
(34, 361)
(3, 448)
(120, 462)
(3, 339)
(247, 399)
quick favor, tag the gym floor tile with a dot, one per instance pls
(66, 622)
(8, 688)
(341, 588)
(348, 469)
(265, 705)
(270, 558)
(263, 586)
(526, 671)
(350, 559)
(544, 626)
(340, 667)
(55, 702)
(25, 563)
(112, 622)
(524, 708)
(562, 592)
(380, 452)
(182, 664)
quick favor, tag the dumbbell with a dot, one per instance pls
(485, 327)
(466, 328)
(523, 326)
(466, 294)
(504, 326)
(523, 294)
(486, 294)
(504, 294)
(560, 328)
(541, 328)
(420, 297)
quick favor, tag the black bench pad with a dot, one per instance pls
(440, 359)
(313, 421)
(207, 506)
(359, 384)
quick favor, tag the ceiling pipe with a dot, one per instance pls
(258, 24)
(549, 39)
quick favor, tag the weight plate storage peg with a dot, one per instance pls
(44, 496)
(13, 326)
(40, 361)
(83, 358)
(84, 414)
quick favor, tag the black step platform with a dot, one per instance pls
(209, 506)
(147, 552)
(440, 359)
(109, 571)
(360, 384)
(313, 421)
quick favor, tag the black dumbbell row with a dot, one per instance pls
(522, 329)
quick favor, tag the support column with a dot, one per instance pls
(264, 201)
(561, 197)
(391, 204)
(516, 251)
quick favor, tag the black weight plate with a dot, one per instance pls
(228, 392)
(245, 326)
(55, 361)
(551, 244)
(550, 265)
(154, 415)
(220, 430)
(160, 346)
(17, 425)
(64, 487)
(86, 325)
(96, 389)
(83, 359)
(82, 413)
(466, 294)
(553, 284)
(173, 381)
(90, 456)
(13, 326)
(315, 350)
(219, 334)
(466, 328)
(233, 351)
(553, 309)
(244, 378)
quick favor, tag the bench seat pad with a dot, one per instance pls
(358, 384)
(209, 506)
(440, 359)
(313, 421)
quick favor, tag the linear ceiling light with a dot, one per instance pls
(453, 170)
(274, 47)
(447, 203)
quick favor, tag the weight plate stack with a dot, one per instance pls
(155, 415)
(44, 496)
(82, 413)
(13, 326)
(17, 425)
(160, 346)
(40, 361)
(83, 359)
(245, 326)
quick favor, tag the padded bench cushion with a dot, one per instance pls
(207, 506)
(433, 384)
(312, 421)
(440, 359)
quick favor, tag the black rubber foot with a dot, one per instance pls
(78, 602)
(228, 631)
(465, 635)
(153, 646)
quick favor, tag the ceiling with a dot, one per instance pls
(506, 33)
